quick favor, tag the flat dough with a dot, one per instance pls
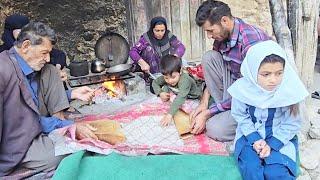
(108, 131)
(182, 122)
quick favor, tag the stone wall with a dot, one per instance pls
(78, 23)
(254, 12)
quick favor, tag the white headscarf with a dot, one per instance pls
(246, 89)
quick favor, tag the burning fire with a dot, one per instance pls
(115, 88)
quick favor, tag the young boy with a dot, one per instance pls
(176, 81)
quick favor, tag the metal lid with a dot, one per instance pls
(112, 48)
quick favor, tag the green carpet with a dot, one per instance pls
(83, 165)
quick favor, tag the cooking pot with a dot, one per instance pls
(119, 70)
(97, 66)
(79, 68)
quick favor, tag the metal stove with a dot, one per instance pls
(96, 79)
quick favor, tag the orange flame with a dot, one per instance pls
(115, 88)
(110, 86)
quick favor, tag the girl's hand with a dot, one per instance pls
(144, 66)
(259, 145)
(166, 120)
(164, 96)
(265, 152)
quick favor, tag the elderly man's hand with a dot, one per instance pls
(199, 122)
(83, 93)
(85, 131)
(62, 73)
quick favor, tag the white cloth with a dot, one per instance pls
(246, 89)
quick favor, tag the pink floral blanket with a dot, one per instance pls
(65, 141)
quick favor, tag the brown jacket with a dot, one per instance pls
(19, 116)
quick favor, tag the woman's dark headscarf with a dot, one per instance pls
(15, 21)
(159, 42)
(58, 57)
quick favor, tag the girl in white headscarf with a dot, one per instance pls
(265, 105)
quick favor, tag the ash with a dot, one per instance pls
(104, 104)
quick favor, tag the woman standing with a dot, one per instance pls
(158, 41)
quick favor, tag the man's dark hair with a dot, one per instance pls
(212, 11)
(170, 64)
(35, 32)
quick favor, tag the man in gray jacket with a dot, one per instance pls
(32, 98)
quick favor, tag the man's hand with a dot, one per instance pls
(265, 152)
(85, 131)
(198, 123)
(164, 96)
(62, 73)
(201, 107)
(166, 120)
(59, 115)
(144, 66)
(83, 93)
(259, 145)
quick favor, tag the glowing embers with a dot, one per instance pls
(115, 88)
(110, 90)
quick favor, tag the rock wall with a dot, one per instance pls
(254, 12)
(78, 23)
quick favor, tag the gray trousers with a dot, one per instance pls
(222, 126)
(52, 99)
(40, 156)
(51, 94)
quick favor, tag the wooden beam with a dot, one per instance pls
(302, 18)
(176, 19)
(152, 8)
(141, 22)
(166, 12)
(185, 27)
(196, 32)
(130, 24)
(281, 29)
